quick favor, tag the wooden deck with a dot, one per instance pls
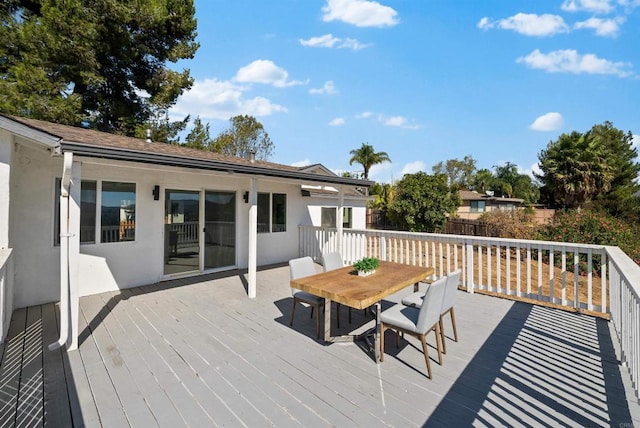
(198, 352)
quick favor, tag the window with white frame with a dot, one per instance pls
(478, 206)
(118, 212)
(272, 212)
(117, 215)
(87, 212)
(347, 217)
(328, 217)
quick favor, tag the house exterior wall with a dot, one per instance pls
(36, 260)
(6, 153)
(119, 265)
(464, 211)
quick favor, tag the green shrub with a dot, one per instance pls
(591, 227)
(518, 224)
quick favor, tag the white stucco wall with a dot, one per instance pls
(112, 266)
(36, 260)
(6, 149)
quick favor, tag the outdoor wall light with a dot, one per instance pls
(245, 196)
(156, 193)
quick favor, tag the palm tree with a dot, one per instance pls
(367, 157)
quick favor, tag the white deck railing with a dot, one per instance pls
(598, 279)
(565, 274)
(624, 280)
(6, 291)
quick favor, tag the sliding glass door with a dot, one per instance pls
(219, 229)
(181, 231)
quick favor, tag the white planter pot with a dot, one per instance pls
(366, 272)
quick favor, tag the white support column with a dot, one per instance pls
(339, 220)
(74, 255)
(253, 238)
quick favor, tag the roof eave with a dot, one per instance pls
(205, 164)
(30, 133)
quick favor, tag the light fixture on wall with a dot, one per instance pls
(245, 196)
(156, 193)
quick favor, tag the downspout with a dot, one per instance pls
(64, 251)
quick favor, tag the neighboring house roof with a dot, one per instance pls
(317, 168)
(468, 195)
(90, 143)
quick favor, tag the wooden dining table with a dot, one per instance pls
(344, 286)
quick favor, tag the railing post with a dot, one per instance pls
(469, 266)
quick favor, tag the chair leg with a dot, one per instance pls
(444, 343)
(426, 355)
(381, 342)
(311, 316)
(438, 340)
(349, 315)
(293, 310)
(453, 323)
(398, 338)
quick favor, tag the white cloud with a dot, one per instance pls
(635, 141)
(570, 61)
(399, 121)
(594, 6)
(361, 13)
(266, 72)
(548, 122)
(412, 168)
(629, 4)
(535, 168)
(216, 99)
(338, 121)
(602, 27)
(301, 163)
(378, 171)
(364, 115)
(485, 23)
(329, 41)
(528, 24)
(328, 88)
(396, 121)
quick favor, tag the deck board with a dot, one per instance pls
(200, 353)
(11, 367)
(31, 396)
(56, 401)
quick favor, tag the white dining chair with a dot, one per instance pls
(448, 302)
(299, 268)
(417, 322)
(415, 300)
(332, 261)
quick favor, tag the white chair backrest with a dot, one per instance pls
(453, 279)
(299, 268)
(431, 305)
(332, 261)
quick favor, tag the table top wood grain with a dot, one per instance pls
(346, 287)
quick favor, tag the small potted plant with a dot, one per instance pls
(366, 266)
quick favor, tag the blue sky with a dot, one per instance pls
(424, 81)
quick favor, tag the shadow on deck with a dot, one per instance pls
(197, 352)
